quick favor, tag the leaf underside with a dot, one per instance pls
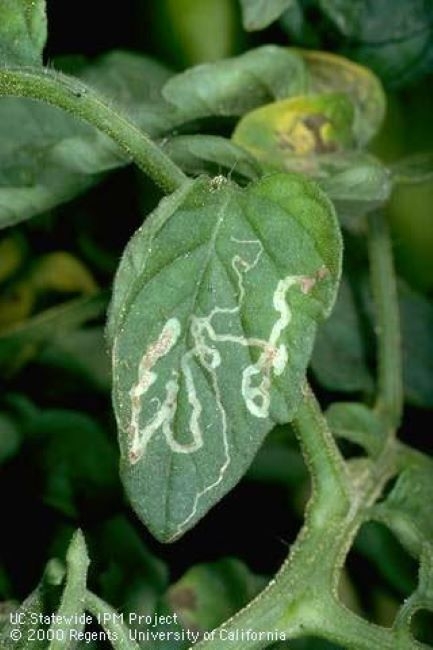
(212, 324)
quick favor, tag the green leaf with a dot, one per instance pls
(130, 577)
(339, 358)
(417, 168)
(209, 594)
(199, 31)
(416, 316)
(34, 603)
(237, 85)
(48, 157)
(393, 37)
(21, 343)
(12, 255)
(37, 604)
(133, 82)
(407, 509)
(199, 154)
(332, 73)
(258, 14)
(72, 481)
(410, 218)
(301, 128)
(23, 32)
(278, 463)
(356, 184)
(72, 600)
(10, 438)
(129, 78)
(40, 603)
(111, 622)
(384, 551)
(417, 325)
(203, 363)
(82, 352)
(357, 423)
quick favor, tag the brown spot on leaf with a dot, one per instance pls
(183, 598)
(322, 273)
(314, 124)
(307, 284)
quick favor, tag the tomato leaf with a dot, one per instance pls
(237, 85)
(212, 322)
(407, 509)
(23, 32)
(339, 359)
(298, 126)
(209, 594)
(332, 73)
(416, 324)
(393, 37)
(258, 14)
(357, 423)
(211, 154)
(47, 157)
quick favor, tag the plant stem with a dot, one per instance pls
(302, 599)
(111, 621)
(77, 562)
(325, 463)
(76, 98)
(390, 389)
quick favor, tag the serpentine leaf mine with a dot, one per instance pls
(212, 323)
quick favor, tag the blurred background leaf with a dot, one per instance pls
(23, 32)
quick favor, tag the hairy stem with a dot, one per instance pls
(76, 98)
(77, 562)
(390, 389)
(302, 599)
(110, 620)
(330, 482)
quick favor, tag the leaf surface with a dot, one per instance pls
(258, 14)
(358, 423)
(332, 73)
(23, 32)
(407, 509)
(208, 594)
(212, 323)
(237, 85)
(393, 37)
(73, 481)
(47, 157)
(211, 154)
(280, 133)
(339, 359)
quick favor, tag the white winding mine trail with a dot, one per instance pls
(255, 383)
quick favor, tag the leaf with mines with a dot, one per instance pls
(212, 322)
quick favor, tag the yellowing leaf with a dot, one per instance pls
(306, 126)
(11, 256)
(61, 271)
(16, 304)
(333, 73)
